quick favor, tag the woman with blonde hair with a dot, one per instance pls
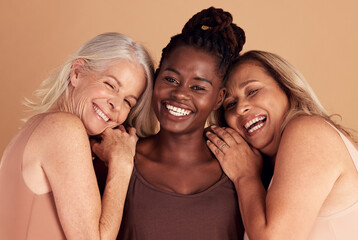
(47, 181)
(271, 112)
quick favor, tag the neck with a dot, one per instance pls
(186, 148)
(63, 104)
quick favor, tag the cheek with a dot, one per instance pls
(231, 120)
(123, 116)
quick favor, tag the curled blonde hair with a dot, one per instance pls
(301, 97)
(98, 53)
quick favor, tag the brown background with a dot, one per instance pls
(319, 37)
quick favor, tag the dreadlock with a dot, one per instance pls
(213, 31)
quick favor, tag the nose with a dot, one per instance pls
(115, 103)
(242, 107)
(181, 93)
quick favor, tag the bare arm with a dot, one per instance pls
(67, 163)
(306, 168)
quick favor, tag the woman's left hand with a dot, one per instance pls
(235, 156)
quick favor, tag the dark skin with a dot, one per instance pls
(177, 159)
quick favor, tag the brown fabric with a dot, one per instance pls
(23, 214)
(155, 214)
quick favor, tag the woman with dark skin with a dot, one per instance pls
(177, 189)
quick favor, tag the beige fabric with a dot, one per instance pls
(24, 214)
(343, 224)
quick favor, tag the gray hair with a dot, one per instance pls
(98, 53)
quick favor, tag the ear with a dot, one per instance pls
(76, 70)
(220, 98)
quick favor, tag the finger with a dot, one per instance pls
(94, 147)
(224, 135)
(106, 132)
(215, 139)
(238, 138)
(93, 141)
(215, 150)
(122, 128)
(132, 133)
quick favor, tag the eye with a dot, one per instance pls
(199, 88)
(171, 80)
(109, 84)
(230, 105)
(128, 102)
(252, 92)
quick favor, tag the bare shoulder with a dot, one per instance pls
(60, 131)
(60, 124)
(310, 127)
(314, 139)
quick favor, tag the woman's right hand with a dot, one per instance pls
(116, 144)
(235, 156)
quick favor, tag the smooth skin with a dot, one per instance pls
(58, 156)
(177, 159)
(313, 171)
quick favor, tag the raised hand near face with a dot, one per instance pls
(235, 156)
(116, 144)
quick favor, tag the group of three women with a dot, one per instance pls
(182, 182)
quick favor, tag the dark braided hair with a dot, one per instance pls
(213, 31)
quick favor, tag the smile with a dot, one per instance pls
(100, 113)
(255, 124)
(177, 111)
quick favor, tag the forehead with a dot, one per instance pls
(246, 71)
(191, 58)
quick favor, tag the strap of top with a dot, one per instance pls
(351, 148)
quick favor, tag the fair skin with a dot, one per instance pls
(313, 172)
(63, 164)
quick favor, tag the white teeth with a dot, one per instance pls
(100, 113)
(255, 128)
(253, 121)
(177, 111)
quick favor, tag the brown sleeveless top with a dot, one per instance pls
(24, 214)
(151, 213)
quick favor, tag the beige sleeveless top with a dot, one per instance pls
(341, 225)
(24, 214)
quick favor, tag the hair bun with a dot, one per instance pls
(216, 23)
(215, 19)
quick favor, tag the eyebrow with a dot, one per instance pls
(246, 83)
(196, 78)
(120, 84)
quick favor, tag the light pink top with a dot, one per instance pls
(342, 225)
(24, 215)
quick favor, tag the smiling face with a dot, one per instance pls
(104, 99)
(187, 89)
(255, 106)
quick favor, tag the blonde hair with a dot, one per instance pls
(302, 99)
(98, 53)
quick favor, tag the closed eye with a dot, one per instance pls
(109, 84)
(128, 102)
(252, 92)
(230, 105)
